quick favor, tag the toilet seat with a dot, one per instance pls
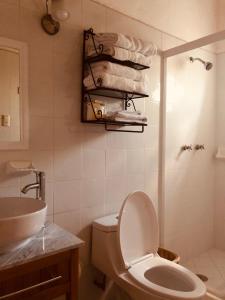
(138, 239)
(174, 281)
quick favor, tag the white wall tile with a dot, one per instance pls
(9, 192)
(116, 192)
(67, 196)
(94, 163)
(66, 135)
(93, 192)
(41, 133)
(115, 163)
(69, 220)
(68, 164)
(135, 162)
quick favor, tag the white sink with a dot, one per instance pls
(20, 218)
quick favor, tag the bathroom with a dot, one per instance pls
(90, 171)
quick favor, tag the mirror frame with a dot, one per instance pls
(24, 109)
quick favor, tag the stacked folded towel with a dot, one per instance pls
(127, 42)
(117, 70)
(119, 40)
(104, 79)
(115, 76)
(122, 54)
(127, 116)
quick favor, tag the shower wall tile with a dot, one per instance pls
(220, 164)
(190, 175)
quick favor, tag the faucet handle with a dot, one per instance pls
(200, 147)
(186, 147)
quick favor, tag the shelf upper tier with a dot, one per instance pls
(114, 93)
(127, 63)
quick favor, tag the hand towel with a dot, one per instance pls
(114, 82)
(126, 42)
(118, 70)
(122, 54)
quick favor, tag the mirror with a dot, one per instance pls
(13, 95)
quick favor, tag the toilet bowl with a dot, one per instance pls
(125, 248)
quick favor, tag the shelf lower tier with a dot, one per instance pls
(109, 123)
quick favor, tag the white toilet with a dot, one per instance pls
(125, 248)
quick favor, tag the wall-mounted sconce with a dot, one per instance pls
(50, 23)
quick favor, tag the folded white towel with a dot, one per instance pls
(126, 42)
(121, 54)
(126, 116)
(130, 120)
(132, 116)
(129, 112)
(118, 70)
(114, 82)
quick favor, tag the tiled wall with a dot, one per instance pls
(220, 164)
(190, 176)
(89, 171)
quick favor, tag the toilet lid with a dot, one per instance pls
(138, 230)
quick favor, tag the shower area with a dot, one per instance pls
(192, 162)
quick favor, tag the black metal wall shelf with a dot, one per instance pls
(124, 95)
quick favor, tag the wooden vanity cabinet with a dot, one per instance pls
(42, 279)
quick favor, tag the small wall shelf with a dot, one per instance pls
(125, 96)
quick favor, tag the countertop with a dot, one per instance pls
(50, 240)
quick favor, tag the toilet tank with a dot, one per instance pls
(104, 245)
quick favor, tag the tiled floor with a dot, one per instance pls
(212, 265)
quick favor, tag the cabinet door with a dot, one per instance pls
(39, 281)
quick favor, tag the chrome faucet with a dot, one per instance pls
(39, 185)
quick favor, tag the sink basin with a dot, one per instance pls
(20, 218)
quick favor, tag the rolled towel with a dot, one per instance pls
(118, 70)
(114, 82)
(121, 54)
(126, 42)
